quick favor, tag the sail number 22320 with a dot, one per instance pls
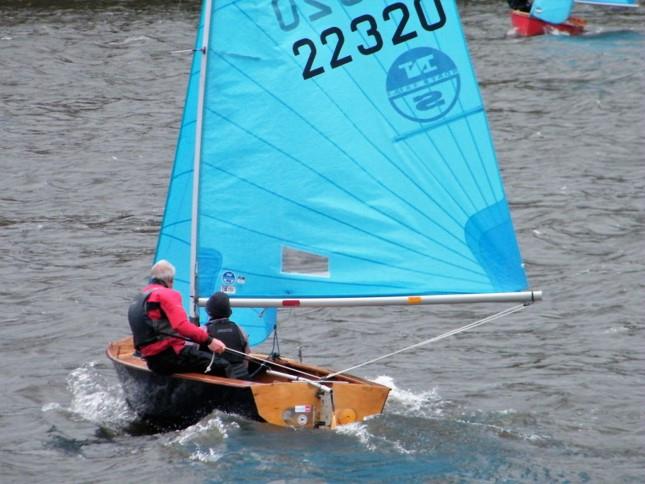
(363, 32)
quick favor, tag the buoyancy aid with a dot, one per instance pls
(144, 329)
(230, 334)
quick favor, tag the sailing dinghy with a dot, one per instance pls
(554, 16)
(331, 153)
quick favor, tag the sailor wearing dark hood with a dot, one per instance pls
(219, 326)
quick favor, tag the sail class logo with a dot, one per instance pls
(423, 84)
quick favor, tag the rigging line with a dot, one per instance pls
(269, 362)
(369, 141)
(248, 357)
(467, 327)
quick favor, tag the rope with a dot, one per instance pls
(210, 365)
(263, 361)
(501, 314)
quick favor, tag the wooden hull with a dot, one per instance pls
(527, 26)
(180, 400)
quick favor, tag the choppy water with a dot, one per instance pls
(90, 99)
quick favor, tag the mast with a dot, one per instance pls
(194, 312)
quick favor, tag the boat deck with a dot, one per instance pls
(122, 351)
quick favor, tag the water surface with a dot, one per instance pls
(90, 102)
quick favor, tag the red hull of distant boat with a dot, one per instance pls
(527, 26)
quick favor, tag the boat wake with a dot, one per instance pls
(413, 423)
(424, 422)
(205, 441)
(418, 432)
(95, 399)
(426, 403)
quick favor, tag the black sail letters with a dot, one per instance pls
(363, 34)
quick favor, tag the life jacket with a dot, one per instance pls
(230, 334)
(144, 329)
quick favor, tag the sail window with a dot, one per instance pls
(296, 261)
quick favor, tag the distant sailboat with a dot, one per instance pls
(330, 154)
(547, 16)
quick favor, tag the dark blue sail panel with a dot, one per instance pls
(349, 136)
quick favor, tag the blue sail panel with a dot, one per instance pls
(173, 243)
(353, 136)
(611, 3)
(174, 239)
(552, 11)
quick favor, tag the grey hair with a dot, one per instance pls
(163, 270)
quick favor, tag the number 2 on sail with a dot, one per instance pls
(365, 28)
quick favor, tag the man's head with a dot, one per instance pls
(163, 271)
(218, 306)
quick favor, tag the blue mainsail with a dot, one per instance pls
(345, 152)
(552, 11)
